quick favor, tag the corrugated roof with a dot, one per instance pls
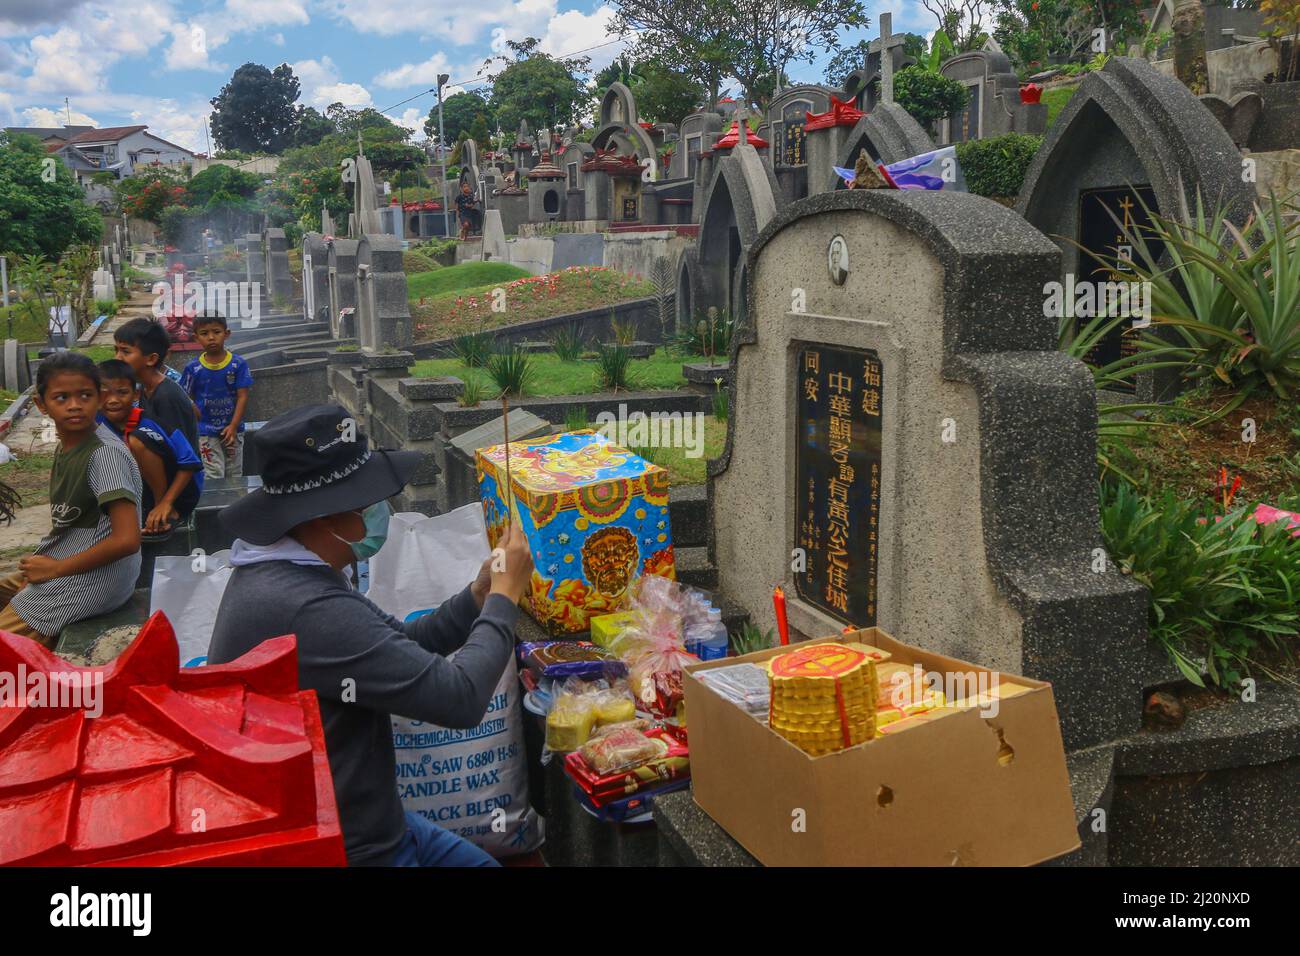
(109, 135)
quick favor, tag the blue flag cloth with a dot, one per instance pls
(937, 169)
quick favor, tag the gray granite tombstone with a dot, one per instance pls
(342, 266)
(697, 133)
(902, 414)
(384, 315)
(994, 106)
(278, 280)
(315, 278)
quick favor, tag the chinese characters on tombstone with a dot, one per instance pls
(838, 471)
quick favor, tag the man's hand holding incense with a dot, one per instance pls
(511, 564)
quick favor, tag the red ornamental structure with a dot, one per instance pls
(546, 169)
(1031, 93)
(841, 113)
(611, 163)
(732, 137)
(162, 766)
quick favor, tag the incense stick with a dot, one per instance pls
(505, 428)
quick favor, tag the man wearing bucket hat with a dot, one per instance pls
(322, 505)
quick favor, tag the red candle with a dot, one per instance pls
(782, 625)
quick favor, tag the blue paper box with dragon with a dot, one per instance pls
(596, 517)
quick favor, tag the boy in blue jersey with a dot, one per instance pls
(159, 459)
(218, 382)
(143, 344)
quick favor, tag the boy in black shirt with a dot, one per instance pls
(143, 344)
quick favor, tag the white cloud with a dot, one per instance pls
(464, 22)
(565, 33)
(322, 85)
(277, 39)
(267, 13)
(41, 116)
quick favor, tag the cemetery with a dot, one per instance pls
(831, 509)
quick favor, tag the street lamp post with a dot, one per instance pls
(442, 148)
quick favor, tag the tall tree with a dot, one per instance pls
(962, 20)
(459, 111)
(698, 35)
(311, 127)
(42, 209)
(254, 112)
(665, 94)
(537, 87)
(777, 33)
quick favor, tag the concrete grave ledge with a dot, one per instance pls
(453, 416)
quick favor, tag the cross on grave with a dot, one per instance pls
(888, 40)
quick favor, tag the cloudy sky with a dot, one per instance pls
(159, 62)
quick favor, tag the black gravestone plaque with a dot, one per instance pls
(792, 121)
(837, 500)
(1103, 242)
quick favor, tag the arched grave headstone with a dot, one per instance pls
(899, 399)
(1128, 138)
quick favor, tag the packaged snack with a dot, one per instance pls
(563, 659)
(569, 724)
(619, 750)
(639, 723)
(670, 762)
(607, 628)
(615, 709)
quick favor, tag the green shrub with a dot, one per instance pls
(751, 638)
(996, 166)
(567, 344)
(710, 337)
(473, 348)
(928, 96)
(575, 419)
(473, 392)
(1221, 585)
(512, 370)
(1231, 296)
(720, 400)
(613, 367)
(106, 307)
(623, 330)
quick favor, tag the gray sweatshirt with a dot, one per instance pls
(349, 647)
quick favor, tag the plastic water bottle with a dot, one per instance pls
(708, 641)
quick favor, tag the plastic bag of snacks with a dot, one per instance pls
(619, 749)
(581, 706)
(557, 660)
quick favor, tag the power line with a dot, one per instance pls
(477, 79)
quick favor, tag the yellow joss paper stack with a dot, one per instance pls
(824, 696)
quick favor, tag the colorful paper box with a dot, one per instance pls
(596, 518)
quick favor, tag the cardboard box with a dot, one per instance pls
(964, 790)
(596, 517)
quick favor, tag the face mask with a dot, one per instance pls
(376, 519)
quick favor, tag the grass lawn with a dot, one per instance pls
(683, 469)
(1056, 99)
(467, 275)
(553, 377)
(446, 313)
(26, 328)
(29, 476)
